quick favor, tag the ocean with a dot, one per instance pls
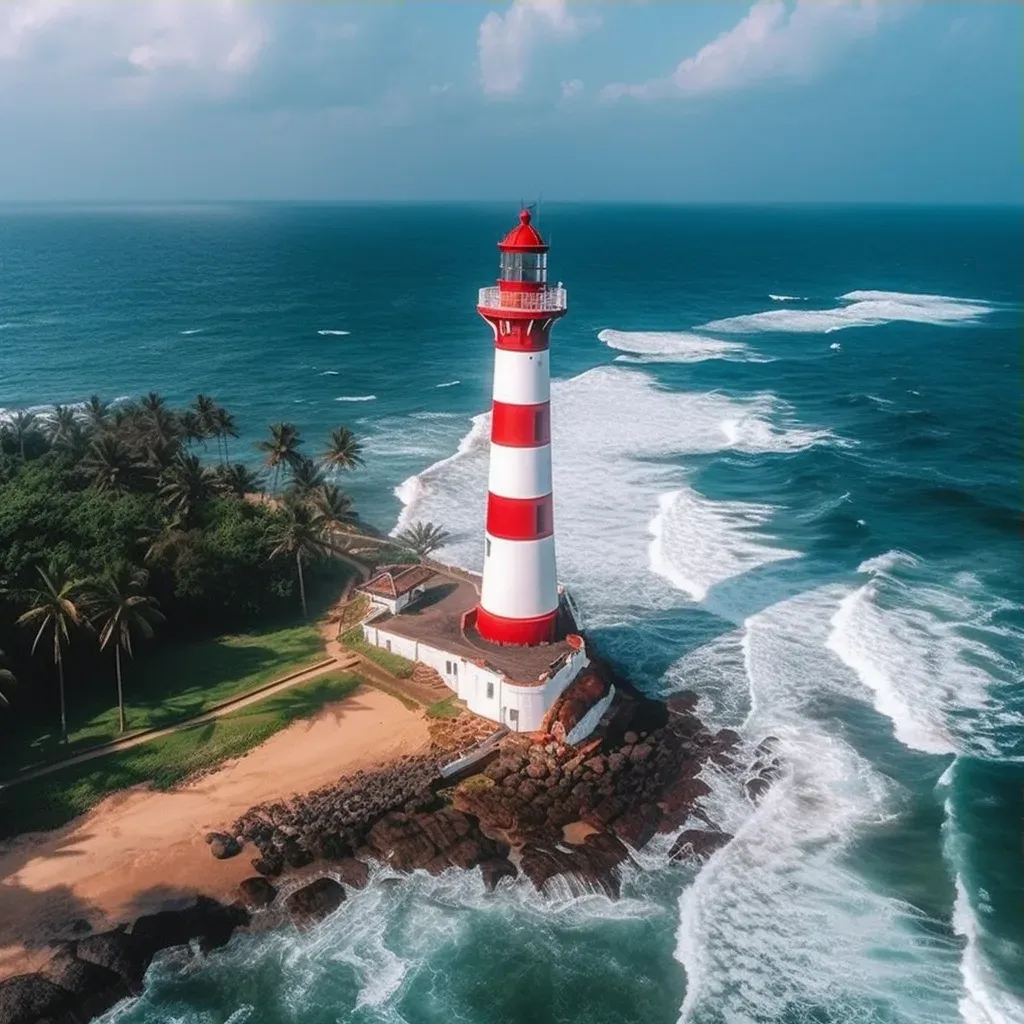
(787, 475)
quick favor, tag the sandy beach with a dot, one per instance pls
(140, 851)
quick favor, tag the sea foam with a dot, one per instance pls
(929, 653)
(861, 309)
(608, 479)
(677, 347)
(333, 333)
(779, 918)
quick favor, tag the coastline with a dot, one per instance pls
(141, 851)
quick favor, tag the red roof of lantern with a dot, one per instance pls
(524, 237)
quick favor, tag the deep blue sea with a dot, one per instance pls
(787, 475)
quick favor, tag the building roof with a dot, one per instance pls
(396, 580)
(524, 237)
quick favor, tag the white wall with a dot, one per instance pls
(470, 681)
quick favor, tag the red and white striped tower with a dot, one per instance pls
(519, 594)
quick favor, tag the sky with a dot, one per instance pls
(775, 101)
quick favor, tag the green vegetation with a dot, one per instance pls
(115, 535)
(54, 799)
(423, 538)
(447, 708)
(399, 667)
(183, 681)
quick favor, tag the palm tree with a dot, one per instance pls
(60, 423)
(97, 411)
(282, 448)
(109, 464)
(54, 612)
(21, 427)
(343, 450)
(153, 402)
(120, 610)
(191, 427)
(332, 508)
(306, 478)
(236, 479)
(75, 442)
(186, 484)
(7, 679)
(423, 538)
(224, 427)
(297, 534)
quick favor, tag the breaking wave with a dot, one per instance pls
(677, 347)
(618, 459)
(930, 655)
(862, 309)
(356, 398)
(699, 542)
(788, 298)
(779, 919)
(448, 384)
(334, 333)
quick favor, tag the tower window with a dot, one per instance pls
(488, 548)
(542, 426)
(542, 519)
(490, 691)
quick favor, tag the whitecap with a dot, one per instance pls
(676, 347)
(603, 544)
(193, 330)
(356, 398)
(448, 384)
(329, 373)
(929, 655)
(334, 333)
(787, 298)
(699, 542)
(835, 346)
(861, 309)
(780, 918)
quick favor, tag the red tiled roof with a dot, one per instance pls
(396, 580)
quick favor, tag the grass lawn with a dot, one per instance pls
(55, 799)
(171, 684)
(446, 708)
(401, 668)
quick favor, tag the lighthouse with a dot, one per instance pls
(519, 594)
(508, 642)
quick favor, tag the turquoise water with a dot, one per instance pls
(787, 461)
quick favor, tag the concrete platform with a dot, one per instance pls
(436, 619)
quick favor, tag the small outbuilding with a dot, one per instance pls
(396, 586)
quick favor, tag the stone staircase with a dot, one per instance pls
(429, 681)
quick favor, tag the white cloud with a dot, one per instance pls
(774, 40)
(505, 42)
(571, 88)
(131, 51)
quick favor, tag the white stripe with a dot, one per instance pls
(520, 472)
(521, 378)
(519, 578)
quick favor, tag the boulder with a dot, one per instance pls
(698, 844)
(496, 868)
(94, 989)
(354, 873)
(116, 951)
(726, 739)
(683, 702)
(295, 854)
(29, 998)
(637, 828)
(270, 864)
(332, 847)
(683, 793)
(315, 901)
(257, 892)
(223, 846)
(641, 752)
(536, 769)
(468, 852)
(206, 920)
(756, 788)
(630, 738)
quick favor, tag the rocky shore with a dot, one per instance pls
(536, 806)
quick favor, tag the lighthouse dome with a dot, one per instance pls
(524, 237)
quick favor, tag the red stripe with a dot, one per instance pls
(521, 426)
(520, 518)
(521, 331)
(521, 632)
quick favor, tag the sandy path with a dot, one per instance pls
(140, 851)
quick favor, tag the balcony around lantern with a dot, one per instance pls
(547, 300)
